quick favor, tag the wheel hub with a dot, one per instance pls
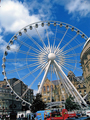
(51, 56)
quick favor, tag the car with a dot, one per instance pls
(81, 118)
(72, 118)
(78, 115)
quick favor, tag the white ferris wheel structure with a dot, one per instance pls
(44, 49)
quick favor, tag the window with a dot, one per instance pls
(80, 92)
(44, 99)
(44, 94)
(85, 91)
(79, 86)
(62, 91)
(47, 88)
(48, 98)
(31, 92)
(44, 89)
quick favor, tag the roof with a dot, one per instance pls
(86, 42)
(55, 82)
(79, 78)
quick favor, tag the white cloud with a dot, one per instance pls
(18, 64)
(80, 6)
(14, 16)
(3, 44)
(0, 30)
(14, 47)
(76, 7)
(42, 8)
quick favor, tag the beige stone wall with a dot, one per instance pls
(85, 63)
(2, 83)
(60, 94)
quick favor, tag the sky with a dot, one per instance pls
(15, 14)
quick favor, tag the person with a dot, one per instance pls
(29, 117)
(22, 116)
(32, 118)
(19, 117)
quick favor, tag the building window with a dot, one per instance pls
(48, 98)
(44, 89)
(62, 92)
(85, 91)
(47, 88)
(79, 86)
(80, 92)
(44, 99)
(44, 94)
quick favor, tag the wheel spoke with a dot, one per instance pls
(40, 48)
(72, 55)
(44, 49)
(71, 61)
(61, 41)
(22, 68)
(28, 53)
(72, 67)
(73, 48)
(28, 46)
(33, 71)
(29, 74)
(69, 42)
(62, 65)
(44, 66)
(44, 77)
(59, 82)
(40, 38)
(47, 37)
(70, 82)
(55, 36)
(64, 84)
(22, 59)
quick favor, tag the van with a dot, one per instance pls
(88, 113)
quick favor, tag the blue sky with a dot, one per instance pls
(15, 14)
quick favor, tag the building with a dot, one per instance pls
(85, 63)
(8, 101)
(78, 82)
(50, 91)
(54, 90)
(19, 87)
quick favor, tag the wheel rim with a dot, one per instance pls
(34, 48)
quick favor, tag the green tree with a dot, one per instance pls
(70, 104)
(37, 104)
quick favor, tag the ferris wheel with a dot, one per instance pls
(45, 49)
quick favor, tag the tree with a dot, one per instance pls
(70, 105)
(37, 104)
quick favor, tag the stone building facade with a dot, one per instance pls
(51, 91)
(85, 63)
(54, 90)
